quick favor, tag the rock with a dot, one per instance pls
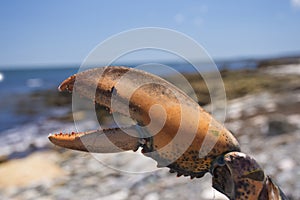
(152, 196)
(278, 124)
(283, 70)
(3, 158)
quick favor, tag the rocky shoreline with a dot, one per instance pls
(263, 111)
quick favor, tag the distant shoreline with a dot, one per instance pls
(227, 63)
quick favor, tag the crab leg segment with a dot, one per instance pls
(239, 177)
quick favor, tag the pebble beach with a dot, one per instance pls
(263, 114)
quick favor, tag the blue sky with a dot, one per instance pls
(64, 31)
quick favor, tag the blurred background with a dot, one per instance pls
(255, 44)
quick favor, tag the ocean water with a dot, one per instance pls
(20, 81)
(16, 84)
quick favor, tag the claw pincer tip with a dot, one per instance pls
(68, 84)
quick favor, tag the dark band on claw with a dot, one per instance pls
(181, 142)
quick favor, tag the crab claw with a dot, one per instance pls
(99, 141)
(171, 127)
(239, 176)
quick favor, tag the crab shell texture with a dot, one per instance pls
(240, 177)
(171, 127)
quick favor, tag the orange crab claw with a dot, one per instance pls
(175, 130)
(99, 141)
